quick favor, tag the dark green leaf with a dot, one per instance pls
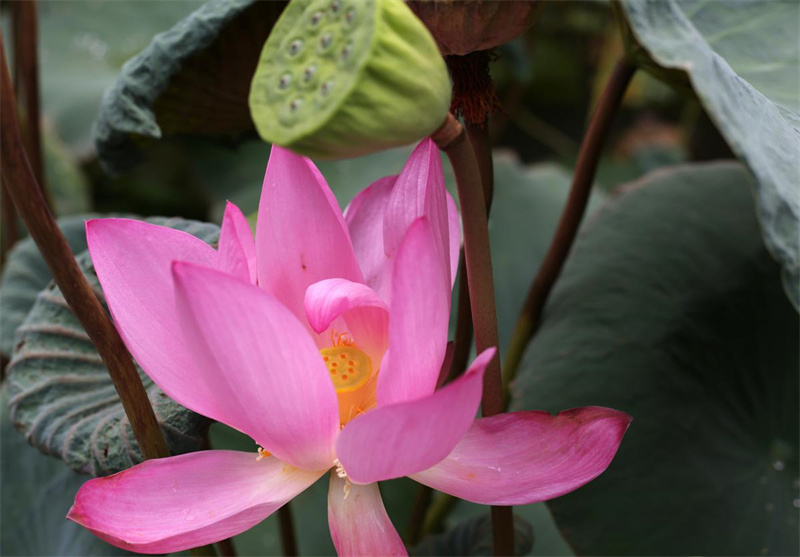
(671, 309)
(191, 79)
(743, 61)
(25, 274)
(62, 398)
(36, 492)
(474, 537)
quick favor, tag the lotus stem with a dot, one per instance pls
(288, 538)
(452, 139)
(588, 158)
(25, 35)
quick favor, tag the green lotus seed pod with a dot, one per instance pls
(343, 78)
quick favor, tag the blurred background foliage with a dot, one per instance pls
(548, 82)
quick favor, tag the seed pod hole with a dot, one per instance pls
(309, 73)
(346, 51)
(315, 19)
(285, 81)
(325, 41)
(350, 16)
(295, 47)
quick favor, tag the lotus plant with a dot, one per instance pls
(322, 340)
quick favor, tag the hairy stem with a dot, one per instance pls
(27, 197)
(589, 155)
(477, 253)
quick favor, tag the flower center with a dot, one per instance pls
(349, 367)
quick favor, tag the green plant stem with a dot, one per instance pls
(27, 197)
(415, 530)
(452, 139)
(288, 538)
(588, 158)
(438, 511)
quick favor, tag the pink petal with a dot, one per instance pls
(365, 315)
(454, 231)
(301, 237)
(237, 249)
(526, 457)
(420, 312)
(403, 439)
(266, 374)
(172, 504)
(364, 217)
(419, 192)
(133, 261)
(359, 524)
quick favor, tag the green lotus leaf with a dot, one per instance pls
(342, 78)
(25, 274)
(36, 492)
(671, 308)
(62, 398)
(192, 79)
(743, 61)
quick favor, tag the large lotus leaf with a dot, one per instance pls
(82, 46)
(62, 398)
(743, 60)
(191, 79)
(671, 309)
(25, 274)
(35, 494)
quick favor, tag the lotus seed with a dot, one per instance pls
(308, 75)
(295, 46)
(326, 87)
(295, 105)
(335, 5)
(325, 40)
(316, 17)
(346, 51)
(350, 15)
(285, 81)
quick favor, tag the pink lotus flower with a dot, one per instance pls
(322, 340)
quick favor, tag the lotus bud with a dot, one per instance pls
(464, 26)
(343, 78)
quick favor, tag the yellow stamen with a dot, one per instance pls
(262, 454)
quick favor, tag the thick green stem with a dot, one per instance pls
(588, 158)
(477, 254)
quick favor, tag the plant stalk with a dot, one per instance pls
(588, 158)
(288, 538)
(452, 139)
(25, 31)
(18, 177)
